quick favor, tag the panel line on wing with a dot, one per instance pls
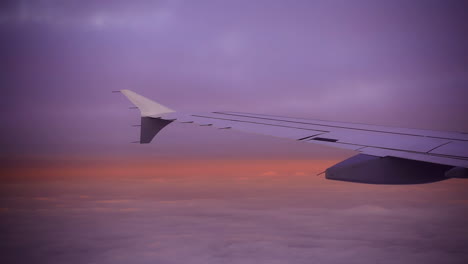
(266, 124)
(315, 124)
(337, 126)
(308, 137)
(440, 159)
(439, 146)
(422, 153)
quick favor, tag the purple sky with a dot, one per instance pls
(400, 63)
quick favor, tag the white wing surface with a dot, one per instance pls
(438, 147)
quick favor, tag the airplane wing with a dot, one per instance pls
(386, 154)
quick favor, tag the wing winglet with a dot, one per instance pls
(150, 112)
(150, 127)
(147, 107)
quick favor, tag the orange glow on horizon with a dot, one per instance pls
(167, 168)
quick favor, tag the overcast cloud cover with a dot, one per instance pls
(254, 218)
(400, 63)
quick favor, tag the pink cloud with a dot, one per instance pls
(44, 199)
(269, 173)
(113, 201)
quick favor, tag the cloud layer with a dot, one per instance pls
(245, 218)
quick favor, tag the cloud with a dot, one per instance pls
(227, 221)
(232, 43)
(98, 16)
(461, 202)
(113, 201)
(44, 199)
(130, 209)
(367, 210)
(269, 173)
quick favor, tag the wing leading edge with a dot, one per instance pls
(448, 150)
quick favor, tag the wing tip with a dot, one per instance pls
(146, 106)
